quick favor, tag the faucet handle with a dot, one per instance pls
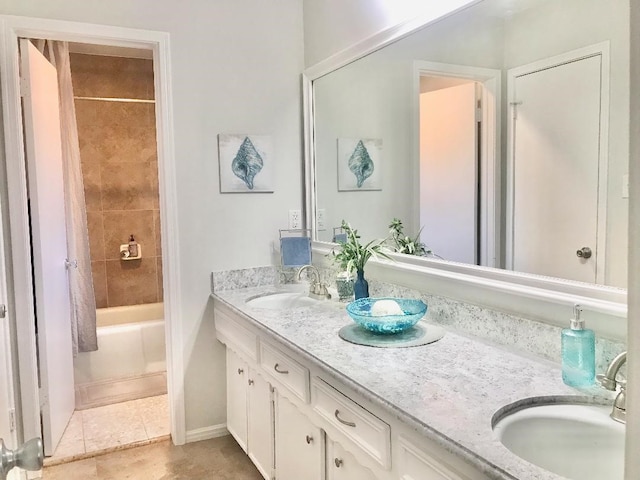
(606, 382)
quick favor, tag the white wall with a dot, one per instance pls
(236, 69)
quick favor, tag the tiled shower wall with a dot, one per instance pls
(120, 171)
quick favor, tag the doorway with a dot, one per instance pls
(558, 146)
(469, 230)
(22, 314)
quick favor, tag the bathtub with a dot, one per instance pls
(131, 355)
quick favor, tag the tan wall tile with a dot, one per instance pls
(158, 231)
(160, 279)
(99, 273)
(118, 225)
(132, 282)
(126, 186)
(91, 177)
(100, 76)
(96, 235)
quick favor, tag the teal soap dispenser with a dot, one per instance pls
(578, 353)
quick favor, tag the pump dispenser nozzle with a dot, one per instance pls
(576, 322)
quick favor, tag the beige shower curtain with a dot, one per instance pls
(83, 304)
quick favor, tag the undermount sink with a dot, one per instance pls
(576, 440)
(282, 300)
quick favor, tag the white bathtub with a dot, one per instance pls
(131, 343)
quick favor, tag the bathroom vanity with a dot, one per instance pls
(304, 404)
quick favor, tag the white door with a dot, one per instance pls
(49, 243)
(556, 154)
(237, 374)
(260, 424)
(449, 172)
(341, 465)
(299, 444)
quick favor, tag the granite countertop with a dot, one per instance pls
(448, 391)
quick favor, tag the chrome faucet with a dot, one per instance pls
(317, 289)
(608, 381)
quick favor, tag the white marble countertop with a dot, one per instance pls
(447, 391)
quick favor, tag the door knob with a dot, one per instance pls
(584, 252)
(29, 456)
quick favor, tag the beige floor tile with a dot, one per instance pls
(72, 442)
(111, 426)
(81, 469)
(154, 412)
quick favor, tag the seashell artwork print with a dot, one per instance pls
(245, 163)
(359, 164)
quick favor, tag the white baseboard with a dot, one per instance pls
(205, 433)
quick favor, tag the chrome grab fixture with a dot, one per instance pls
(608, 381)
(30, 456)
(344, 422)
(317, 289)
(276, 367)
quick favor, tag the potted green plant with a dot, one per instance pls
(353, 256)
(404, 243)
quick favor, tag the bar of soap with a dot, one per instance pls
(386, 307)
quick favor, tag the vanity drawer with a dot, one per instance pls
(236, 336)
(285, 371)
(368, 432)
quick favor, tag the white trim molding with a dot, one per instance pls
(206, 433)
(12, 28)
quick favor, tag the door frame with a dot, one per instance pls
(601, 49)
(490, 81)
(12, 28)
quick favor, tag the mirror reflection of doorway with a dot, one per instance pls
(558, 167)
(450, 167)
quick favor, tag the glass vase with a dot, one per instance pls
(360, 286)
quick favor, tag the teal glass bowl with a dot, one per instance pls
(360, 311)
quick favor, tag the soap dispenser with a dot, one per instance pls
(133, 246)
(578, 353)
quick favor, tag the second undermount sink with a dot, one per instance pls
(282, 300)
(575, 440)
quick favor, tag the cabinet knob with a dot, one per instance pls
(250, 382)
(584, 252)
(240, 371)
(309, 439)
(338, 462)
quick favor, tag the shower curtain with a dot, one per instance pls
(83, 303)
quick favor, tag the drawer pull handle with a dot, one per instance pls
(240, 371)
(309, 439)
(284, 372)
(250, 382)
(338, 462)
(344, 422)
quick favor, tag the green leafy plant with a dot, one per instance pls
(404, 243)
(352, 255)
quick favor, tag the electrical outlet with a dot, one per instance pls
(295, 220)
(320, 214)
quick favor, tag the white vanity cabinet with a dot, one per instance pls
(297, 422)
(341, 465)
(250, 412)
(299, 444)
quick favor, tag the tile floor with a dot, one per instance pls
(218, 458)
(110, 427)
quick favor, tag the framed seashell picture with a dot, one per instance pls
(246, 163)
(359, 164)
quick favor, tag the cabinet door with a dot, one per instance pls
(299, 444)
(237, 373)
(341, 465)
(260, 424)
